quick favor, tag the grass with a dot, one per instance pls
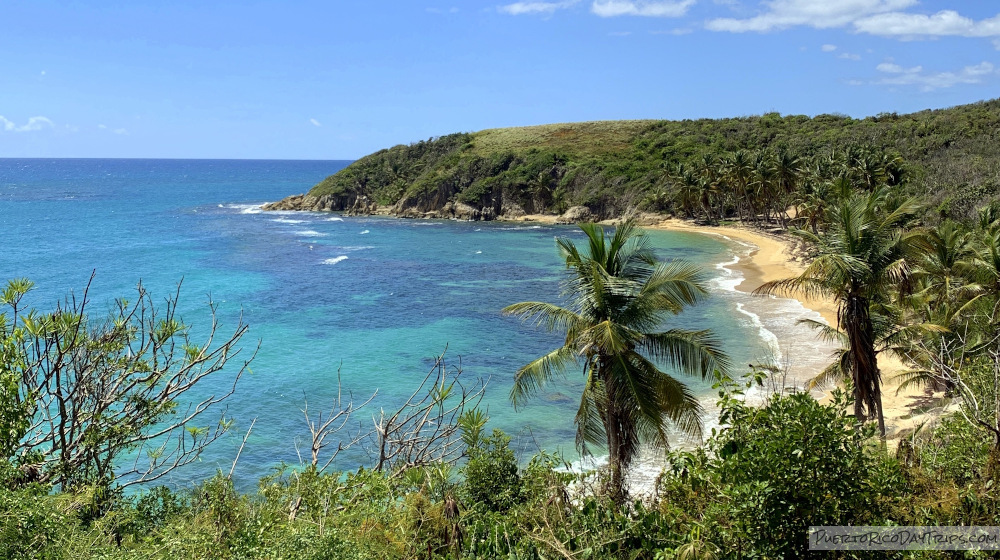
(585, 138)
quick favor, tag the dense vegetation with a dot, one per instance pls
(750, 493)
(913, 276)
(695, 167)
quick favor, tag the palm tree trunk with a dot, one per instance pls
(616, 485)
(864, 364)
(878, 404)
(617, 434)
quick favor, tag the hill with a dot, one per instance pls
(948, 156)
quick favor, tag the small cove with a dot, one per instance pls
(377, 298)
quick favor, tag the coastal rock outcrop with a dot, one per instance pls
(576, 214)
(326, 203)
(303, 202)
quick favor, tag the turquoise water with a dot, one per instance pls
(377, 298)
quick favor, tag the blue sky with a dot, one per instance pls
(337, 80)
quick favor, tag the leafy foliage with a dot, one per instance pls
(81, 395)
(792, 464)
(491, 475)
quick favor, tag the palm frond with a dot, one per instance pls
(691, 352)
(531, 378)
(837, 371)
(682, 406)
(547, 315)
(589, 425)
(825, 332)
(916, 377)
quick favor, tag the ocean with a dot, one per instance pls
(374, 298)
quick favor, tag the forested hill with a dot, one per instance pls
(708, 168)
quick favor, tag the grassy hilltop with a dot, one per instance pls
(948, 155)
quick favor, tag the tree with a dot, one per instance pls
(98, 401)
(860, 261)
(738, 170)
(618, 294)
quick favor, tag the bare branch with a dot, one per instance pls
(100, 391)
(425, 429)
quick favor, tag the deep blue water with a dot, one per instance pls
(377, 298)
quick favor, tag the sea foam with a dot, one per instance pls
(245, 208)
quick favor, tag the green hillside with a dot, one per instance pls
(949, 156)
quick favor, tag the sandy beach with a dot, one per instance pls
(774, 259)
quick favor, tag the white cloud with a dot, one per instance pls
(315, 122)
(33, 124)
(613, 8)
(828, 48)
(945, 22)
(520, 8)
(822, 14)
(875, 17)
(120, 131)
(849, 56)
(676, 31)
(893, 68)
(915, 76)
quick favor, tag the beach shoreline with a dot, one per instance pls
(774, 257)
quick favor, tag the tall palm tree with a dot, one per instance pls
(765, 183)
(618, 295)
(860, 262)
(738, 169)
(788, 172)
(686, 189)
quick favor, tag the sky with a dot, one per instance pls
(340, 79)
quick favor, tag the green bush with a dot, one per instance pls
(792, 464)
(491, 475)
(34, 525)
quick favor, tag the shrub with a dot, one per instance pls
(491, 477)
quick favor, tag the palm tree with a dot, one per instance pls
(788, 172)
(686, 189)
(945, 272)
(765, 183)
(618, 295)
(860, 262)
(947, 295)
(738, 170)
